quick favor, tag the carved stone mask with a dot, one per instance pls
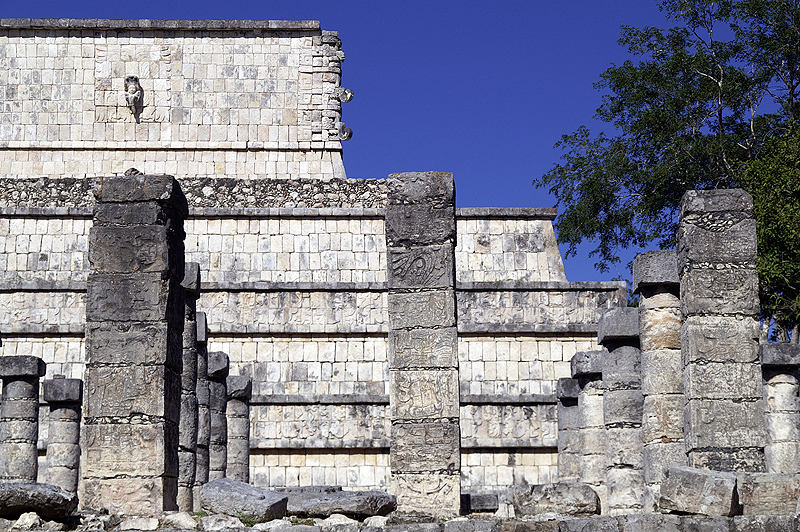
(133, 92)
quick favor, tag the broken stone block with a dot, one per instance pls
(234, 498)
(48, 501)
(768, 493)
(687, 490)
(479, 502)
(322, 501)
(586, 363)
(550, 501)
(619, 324)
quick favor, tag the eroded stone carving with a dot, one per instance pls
(133, 93)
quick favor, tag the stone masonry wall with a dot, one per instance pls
(235, 98)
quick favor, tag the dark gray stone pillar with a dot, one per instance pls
(423, 354)
(19, 418)
(618, 332)
(203, 414)
(569, 444)
(655, 279)
(64, 398)
(587, 369)
(780, 364)
(218, 366)
(134, 324)
(187, 430)
(240, 389)
(724, 411)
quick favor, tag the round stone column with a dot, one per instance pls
(19, 417)
(240, 389)
(63, 442)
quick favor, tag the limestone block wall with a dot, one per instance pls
(236, 98)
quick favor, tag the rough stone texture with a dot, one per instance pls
(551, 501)
(239, 499)
(587, 363)
(130, 448)
(64, 398)
(568, 430)
(238, 419)
(203, 412)
(779, 354)
(19, 417)
(655, 268)
(218, 366)
(188, 424)
(619, 324)
(50, 502)
(723, 413)
(323, 501)
(591, 426)
(689, 490)
(420, 237)
(768, 493)
(479, 502)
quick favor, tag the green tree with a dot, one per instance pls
(690, 111)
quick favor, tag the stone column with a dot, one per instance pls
(187, 429)
(618, 331)
(724, 411)
(203, 414)
(19, 418)
(240, 389)
(569, 444)
(655, 279)
(780, 363)
(64, 398)
(134, 323)
(587, 369)
(423, 355)
(217, 405)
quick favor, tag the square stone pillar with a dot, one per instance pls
(423, 354)
(655, 279)
(134, 324)
(724, 411)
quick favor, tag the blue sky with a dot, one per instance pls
(480, 89)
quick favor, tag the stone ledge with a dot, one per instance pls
(301, 443)
(323, 399)
(173, 146)
(576, 328)
(512, 400)
(299, 212)
(268, 286)
(27, 329)
(42, 286)
(507, 212)
(510, 443)
(156, 24)
(534, 286)
(47, 212)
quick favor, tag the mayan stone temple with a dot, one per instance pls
(206, 325)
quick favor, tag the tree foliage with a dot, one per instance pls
(698, 103)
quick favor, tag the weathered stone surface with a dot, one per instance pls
(768, 493)
(724, 423)
(425, 394)
(163, 189)
(716, 200)
(729, 291)
(650, 523)
(127, 343)
(220, 522)
(764, 523)
(587, 363)
(50, 502)
(430, 309)
(139, 523)
(715, 380)
(133, 297)
(191, 279)
(431, 493)
(550, 501)
(420, 209)
(202, 327)
(662, 418)
(463, 524)
(218, 365)
(782, 457)
(720, 339)
(662, 372)
(111, 450)
(623, 447)
(593, 524)
(421, 266)
(230, 497)
(423, 348)
(131, 390)
(621, 407)
(239, 387)
(657, 267)
(567, 388)
(144, 213)
(418, 447)
(738, 459)
(695, 491)
(706, 524)
(63, 390)
(323, 501)
(660, 328)
(625, 490)
(779, 354)
(135, 249)
(21, 366)
(718, 239)
(619, 325)
(622, 369)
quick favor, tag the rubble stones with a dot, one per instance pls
(325, 501)
(234, 498)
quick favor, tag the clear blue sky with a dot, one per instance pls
(479, 89)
